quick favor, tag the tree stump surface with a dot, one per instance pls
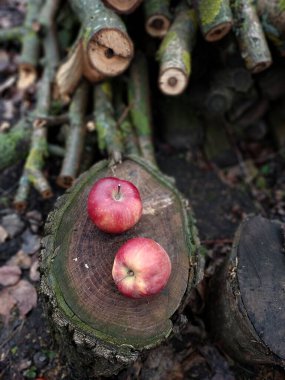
(78, 258)
(247, 295)
(261, 278)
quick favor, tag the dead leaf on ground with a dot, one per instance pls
(25, 295)
(34, 271)
(31, 242)
(9, 275)
(13, 224)
(21, 259)
(7, 302)
(3, 234)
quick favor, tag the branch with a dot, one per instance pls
(272, 16)
(215, 18)
(75, 138)
(124, 123)
(175, 52)
(30, 46)
(158, 17)
(109, 136)
(104, 36)
(11, 34)
(249, 34)
(139, 98)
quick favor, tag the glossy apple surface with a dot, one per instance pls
(141, 268)
(114, 205)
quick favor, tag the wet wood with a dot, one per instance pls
(247, 298)
(215, 18)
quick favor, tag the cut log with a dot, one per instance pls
(247, 295)
(158, 17)
(30, 46)
(215, 18)
(106, 43)
(123, 6)
(99, 330)
(272, 16)
(175, 52)
(250, 36)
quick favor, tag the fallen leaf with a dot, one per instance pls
(13, 224)
(9, 275)
(21, 259)
(25, 295)
(3, 234)
(7, 302)
(34, 272)
(31, 242)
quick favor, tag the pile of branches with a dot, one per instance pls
(102, 49)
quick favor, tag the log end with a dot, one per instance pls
(173, 81)
(247, 295)
(123, 6)
(260, 66)
(219, 31)
(157, 25)
(65, 181)
(110, 51)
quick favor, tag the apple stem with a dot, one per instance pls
(130, 272)
(118, 195)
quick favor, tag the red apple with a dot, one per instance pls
(114, 205)
(141, 268)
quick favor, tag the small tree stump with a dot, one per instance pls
(100, 330)
(247, 296)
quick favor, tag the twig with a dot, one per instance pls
(139, 97)
(75, 137)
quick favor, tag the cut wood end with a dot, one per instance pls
(65, 181)
(47, 193)
(218, 32)
(157, 25)
(20, 206)
(27, 76)
(110, 51)
(123, 6)
(173, 81)
(259, 67)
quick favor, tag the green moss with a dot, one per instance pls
(209, 10)
(107, 89)
(282, 5)
(141, 120)
(186, 57)
(101, 134)
(12, 148)
(170, 36)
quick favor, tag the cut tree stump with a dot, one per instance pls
(247, 297)
(100, 330)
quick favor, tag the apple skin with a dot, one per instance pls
(114, 205)
(141, 268)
